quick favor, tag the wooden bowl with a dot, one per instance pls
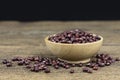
(74, 53)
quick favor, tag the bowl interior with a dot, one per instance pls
(101, 39)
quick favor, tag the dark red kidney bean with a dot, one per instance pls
(95, 68)
(9, 64)
(47, 70)
(56, 67)
(28, 66)
(30, 58)
(72, 71)
(101, 64)
(87, 70)
(27, 62)
(14, 59)
(117, 59)
(73, 65)
(108, 64)
(79, 65)
(36, 69)
(20, 63)
(36, 58)
(67, 66)
(88, 64)
(5, 61)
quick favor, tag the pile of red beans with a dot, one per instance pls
(74, 36)
(38, 63)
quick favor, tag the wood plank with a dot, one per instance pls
(27, 39)
(16, 72)
(22, 32)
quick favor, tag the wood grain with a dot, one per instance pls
(27, 39)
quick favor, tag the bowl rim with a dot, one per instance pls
(46, 40)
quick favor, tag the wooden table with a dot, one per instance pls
(27, 38)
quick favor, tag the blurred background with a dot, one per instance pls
(43, 14)
(58, 10)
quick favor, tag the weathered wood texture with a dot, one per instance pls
(27, 38)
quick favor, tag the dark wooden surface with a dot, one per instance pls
(27, 38)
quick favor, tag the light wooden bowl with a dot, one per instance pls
(74, 53)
